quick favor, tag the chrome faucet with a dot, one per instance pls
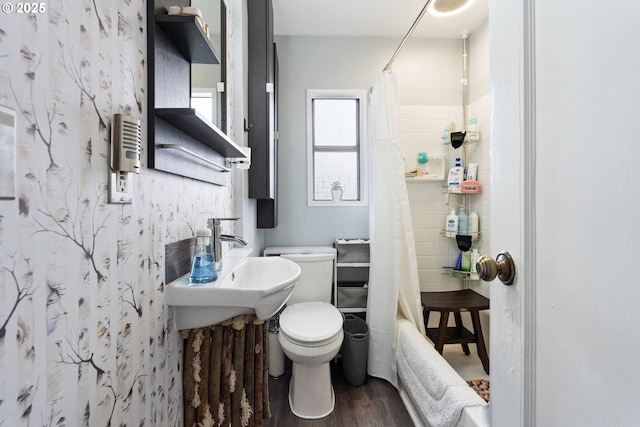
(216, 233)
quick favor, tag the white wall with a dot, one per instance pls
(478, 55)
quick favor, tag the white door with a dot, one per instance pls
(565, 203)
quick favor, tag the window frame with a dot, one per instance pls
(211, 95)
(361, 96)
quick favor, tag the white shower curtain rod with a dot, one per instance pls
(415, 24)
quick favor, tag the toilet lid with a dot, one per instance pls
(311, 323)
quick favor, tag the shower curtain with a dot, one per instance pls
(394, 287)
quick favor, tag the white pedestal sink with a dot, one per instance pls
(259, 285)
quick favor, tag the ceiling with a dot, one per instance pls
(371, 18)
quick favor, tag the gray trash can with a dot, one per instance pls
(355, 349)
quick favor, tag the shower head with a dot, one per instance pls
(448, 7)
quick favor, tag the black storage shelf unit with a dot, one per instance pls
(182, 141)
(189, 121)
(189, 38)
(352, 275)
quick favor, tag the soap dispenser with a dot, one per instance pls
(203, 267)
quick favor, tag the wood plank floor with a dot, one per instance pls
(375, 403)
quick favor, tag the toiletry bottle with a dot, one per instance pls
(451, 228)
(465, 265)
(474, 260)
(203, 267)
(463, 222)
(473, 224)
(472, 130)
(456, 175)
(472, 172)
(458, 267)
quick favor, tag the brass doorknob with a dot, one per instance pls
(503, 267)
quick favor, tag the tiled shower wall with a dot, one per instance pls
(421, 129)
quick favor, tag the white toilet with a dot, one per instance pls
(311, 336)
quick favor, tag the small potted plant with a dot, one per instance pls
(336, 191)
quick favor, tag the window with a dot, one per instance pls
(204, 101)
(336, 146)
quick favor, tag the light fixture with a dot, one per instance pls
(449, 7)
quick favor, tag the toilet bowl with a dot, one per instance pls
(311, 335)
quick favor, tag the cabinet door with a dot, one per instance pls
(262, 111)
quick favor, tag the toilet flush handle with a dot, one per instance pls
(503, 267)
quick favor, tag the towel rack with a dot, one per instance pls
(193, 154)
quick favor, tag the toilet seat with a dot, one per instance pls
(311, 324)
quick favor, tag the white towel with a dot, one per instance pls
(439, 393)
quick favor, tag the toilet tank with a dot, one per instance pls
(316, 277)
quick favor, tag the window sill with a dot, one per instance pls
(332, 204)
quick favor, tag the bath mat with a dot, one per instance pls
(481, 387)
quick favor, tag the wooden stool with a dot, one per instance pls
(456, 302)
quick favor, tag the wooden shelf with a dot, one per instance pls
(187, 35)
(453, 335)
(189, 121)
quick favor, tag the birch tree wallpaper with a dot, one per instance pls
(86, 338)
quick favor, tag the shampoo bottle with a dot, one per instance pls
(203, 268)
(474, 259)
(463, 222)
(451, 228)
(456, 176)
(473, 225)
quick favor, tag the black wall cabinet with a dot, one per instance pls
(263, 105)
